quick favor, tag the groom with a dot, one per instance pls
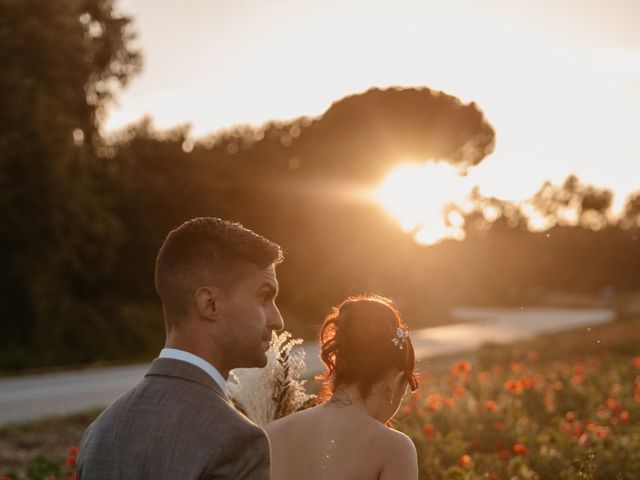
(217, 284)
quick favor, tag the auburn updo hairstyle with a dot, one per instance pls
(357, 344)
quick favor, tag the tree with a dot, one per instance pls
(61, 64)
(631, 214)
(487, 214)
(361, 137)
(573, 203)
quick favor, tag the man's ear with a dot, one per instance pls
(206, 302)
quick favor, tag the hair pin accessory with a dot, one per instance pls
(400, 338)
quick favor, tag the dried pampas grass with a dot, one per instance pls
(266, 394)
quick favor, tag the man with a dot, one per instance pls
(218, 285)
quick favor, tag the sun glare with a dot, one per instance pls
(416, 196)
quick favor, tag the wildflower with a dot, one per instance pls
(483, 377)
(459, 391)
(625, 417)
(577, 380)
(570, 416)
(577, 430)
(465, 461)
(434, 402)
(504, 455)
(532, 355)
(612, 405)
(72, 457)
(428, 430)
(615, 390)
(461, 367)
(602, 432)
(516, 367)
(406, 409)
(519, 449)
(636, 362)
(490, 405)
(498, 426)
(514, 386)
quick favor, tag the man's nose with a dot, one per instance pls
(275, 319)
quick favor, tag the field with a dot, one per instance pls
(559, 407)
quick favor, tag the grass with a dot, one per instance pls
(51, 437)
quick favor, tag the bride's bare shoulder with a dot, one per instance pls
(400, 457)
(399, 441)
(284, 424)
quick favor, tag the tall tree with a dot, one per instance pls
(61, 64)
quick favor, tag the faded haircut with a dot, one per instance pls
(207, 249)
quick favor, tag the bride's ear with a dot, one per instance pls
(395, 381)
(398, 383)
(398, 380)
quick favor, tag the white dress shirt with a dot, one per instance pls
(199, 362)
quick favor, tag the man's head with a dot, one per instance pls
(217, 283)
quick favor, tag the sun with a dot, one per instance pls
(416, 196)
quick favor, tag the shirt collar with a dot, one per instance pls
(199, 362)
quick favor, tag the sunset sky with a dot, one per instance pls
(558, 80)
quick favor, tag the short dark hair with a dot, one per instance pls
(207, 249)
(358, 344)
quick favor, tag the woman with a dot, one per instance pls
(369, 362)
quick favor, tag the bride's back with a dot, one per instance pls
(333, 441)
(368, 359)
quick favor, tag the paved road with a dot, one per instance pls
(33, 396)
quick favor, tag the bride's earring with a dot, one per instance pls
(390, 397)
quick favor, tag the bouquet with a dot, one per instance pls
(266, 394)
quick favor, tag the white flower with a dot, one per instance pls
(265, 394)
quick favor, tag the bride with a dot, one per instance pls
(369, 362)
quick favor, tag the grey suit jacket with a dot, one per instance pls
(175, 424)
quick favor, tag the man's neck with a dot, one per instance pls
(193, 345)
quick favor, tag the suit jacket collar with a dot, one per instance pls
(170, 367)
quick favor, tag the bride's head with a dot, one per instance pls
(363, 341)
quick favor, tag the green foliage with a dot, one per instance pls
(61, 63)
(38, 468)
(41, 467)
